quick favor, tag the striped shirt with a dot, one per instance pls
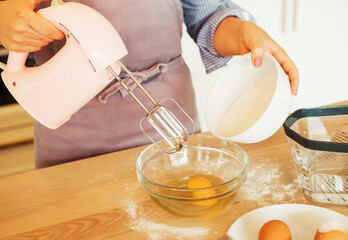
(202, 18)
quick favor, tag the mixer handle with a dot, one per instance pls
(103, 47)
(71, 19)
(16, 61)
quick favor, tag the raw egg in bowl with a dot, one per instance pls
(199, 180)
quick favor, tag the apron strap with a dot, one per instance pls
(141, 76)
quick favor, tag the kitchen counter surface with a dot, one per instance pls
(100, 198)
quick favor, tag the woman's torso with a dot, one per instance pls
(151, 31)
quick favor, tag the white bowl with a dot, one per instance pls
(263, 96)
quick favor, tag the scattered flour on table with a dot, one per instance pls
(159, 231)
(131, 208)
(105, 175)
(263, 184)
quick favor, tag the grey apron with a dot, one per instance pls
(151, 31)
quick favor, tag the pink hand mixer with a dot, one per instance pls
(53, 92)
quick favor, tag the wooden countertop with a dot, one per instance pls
(100, 198)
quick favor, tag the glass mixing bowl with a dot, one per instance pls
(199, 180)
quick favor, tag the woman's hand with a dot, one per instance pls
(23, 30)
(237, 37)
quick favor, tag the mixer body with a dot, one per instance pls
(53, 92)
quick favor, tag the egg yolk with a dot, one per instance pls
(201, 182)
(331, 235)
(275, 230)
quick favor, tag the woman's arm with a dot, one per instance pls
(202, 17)
(220, 29)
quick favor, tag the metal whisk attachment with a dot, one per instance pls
(159, 117)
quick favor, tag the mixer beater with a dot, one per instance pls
(159, 117)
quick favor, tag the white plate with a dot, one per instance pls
(303, 220)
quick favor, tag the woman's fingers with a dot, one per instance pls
(23, 30)
(257, 56)
(258, 47)
(43, 27)
(289, 68)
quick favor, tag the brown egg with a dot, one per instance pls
(331, 235)
(275, 230)
(331, 231)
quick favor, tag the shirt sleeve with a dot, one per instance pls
(202, 17)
